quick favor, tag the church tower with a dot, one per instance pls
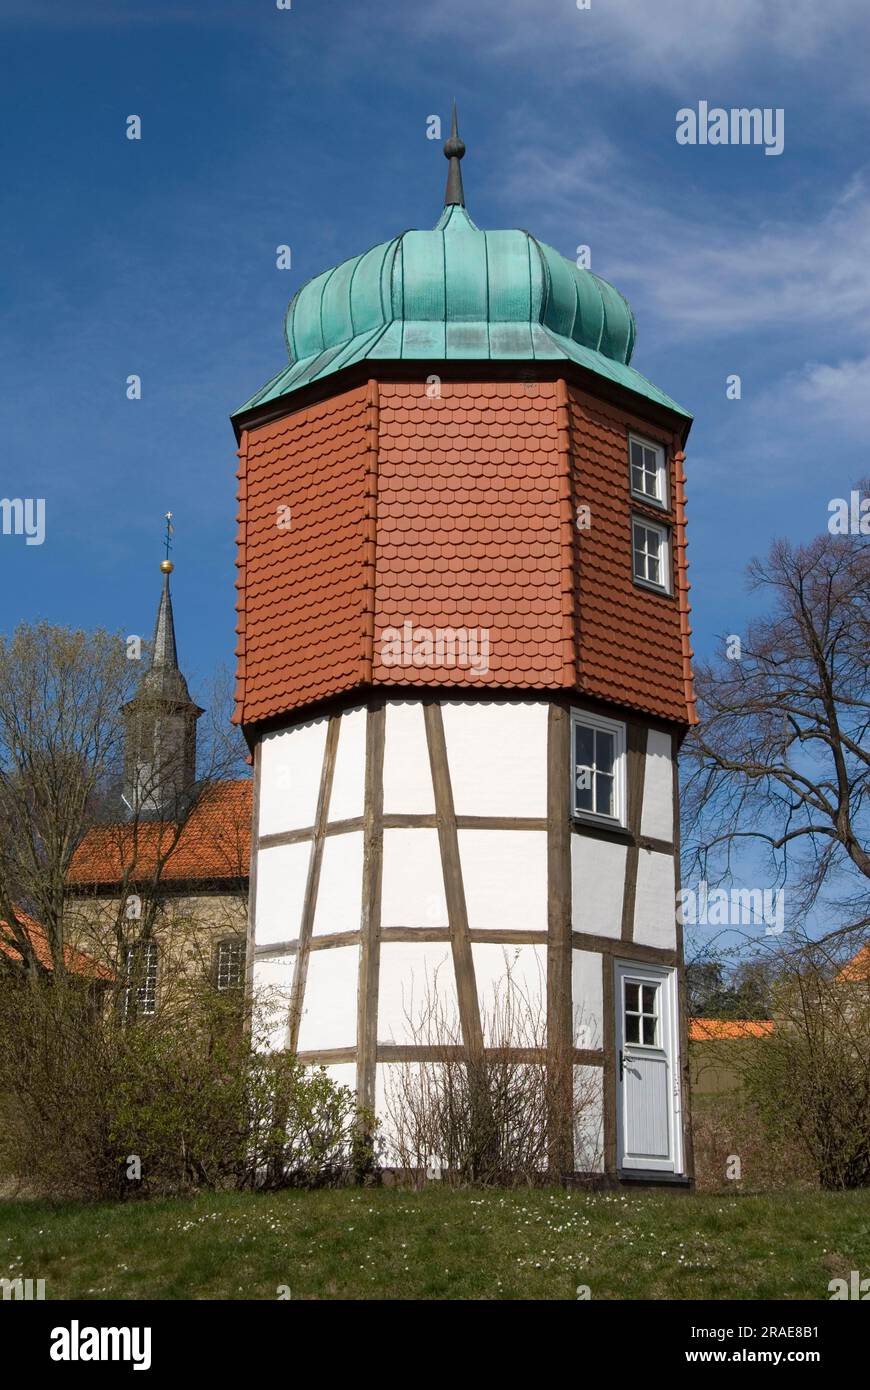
(464, 672)
(160, 727)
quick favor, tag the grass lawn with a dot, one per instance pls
(393, 1243)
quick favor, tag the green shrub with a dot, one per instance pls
(93, 1108)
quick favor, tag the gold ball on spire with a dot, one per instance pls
(166, 567)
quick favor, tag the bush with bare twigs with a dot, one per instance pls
(487, 1119)
(810, 1082)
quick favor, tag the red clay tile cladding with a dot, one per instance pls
(302, 602)
(630, 641)
(413, 513)
(467, 531)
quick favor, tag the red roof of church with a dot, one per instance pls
(214, 843)
(77, 962)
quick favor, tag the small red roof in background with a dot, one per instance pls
(718, 1029)
(214, 843)
(858, 968)
(77, 963)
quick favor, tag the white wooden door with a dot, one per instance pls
(647, 1069)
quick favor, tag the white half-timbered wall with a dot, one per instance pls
(497, 760)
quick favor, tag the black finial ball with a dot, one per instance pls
(454, 148)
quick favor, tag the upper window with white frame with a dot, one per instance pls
(597, 767)
(650, 548)
(649, 478)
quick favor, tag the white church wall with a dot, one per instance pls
(407, 772)
(505, 878)
(587, 998)
(290, 768)
(657, 816)
(412, 887)
(497, 755)
(597, 882)
(339, 892)
(282, 871)
(329, 1010)
(655, 902)
(348, 778)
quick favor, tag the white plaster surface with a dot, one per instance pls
(272, 986)
(587, 998)
(329, 1010)
(339, 892)
(412, 889)
(655, 903)
(597, 883)
(511, 984)
(497, 754)
(282, 871)
(348, 778)
(505, 878)
(412, 976)
(407, 772)
(657, 816)
(290, 767)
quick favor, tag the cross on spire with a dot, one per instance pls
(167, 565)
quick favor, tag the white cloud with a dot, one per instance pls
(841, 392)
(710, 264)
(822, 395)
(665, 42)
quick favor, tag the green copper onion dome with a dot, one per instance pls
(457, 293)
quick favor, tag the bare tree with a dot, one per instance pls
(62, 735)
(61, 693)
(781, 756)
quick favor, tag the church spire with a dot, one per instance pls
(454, 149)
(163, 676)
(160, 754)
(164, 652)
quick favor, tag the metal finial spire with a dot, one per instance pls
(166, 565)
(454, 149)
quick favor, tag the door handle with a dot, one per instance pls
(621, 1065)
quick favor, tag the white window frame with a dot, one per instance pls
(664, 532)
(132, 1002)
(231, 944)
(640, 1014)
(617, 729)
(660, 497)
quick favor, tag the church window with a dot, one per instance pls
(230, 965)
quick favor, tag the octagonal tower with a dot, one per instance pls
(464, 674)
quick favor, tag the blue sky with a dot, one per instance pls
(308, 127)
